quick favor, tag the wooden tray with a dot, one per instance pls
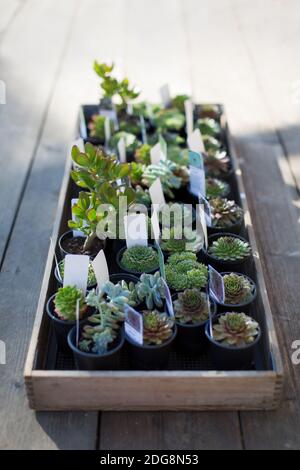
(189, 384)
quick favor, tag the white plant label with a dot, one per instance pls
(134, 327)
(156, 154)
(207, 209)
(197, 174)
(203, 224)
(107, 132)
(164, 147)
(82, 125)
(136, 230)
(155, 223)
(195, 142)
(189, 117)
(76, 233)
(122, 150)
(169, 300)
(76, 271)
(165, 95)
(157, 194)
(216, 285)
(100, 268)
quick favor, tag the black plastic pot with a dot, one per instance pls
(91, 361)
(62, 328)
(60, 282)
(191, 339)
(221, 265)
(235, 228)
(69, 234)
(144, 357)
(226, 358)
(243, 307)
(135, 273)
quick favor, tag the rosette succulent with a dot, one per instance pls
(225, 213)
(183, 271)
(216, 188)
(141, 259)
(151, 288)
(238, 289)
(176, 240)
(191, 307)
(235, 329)
(165, 170)
(91, 274)
(158, 327)
(229, 248)
(217, 164)
(65, 302)
(208, 126)
(119, 295)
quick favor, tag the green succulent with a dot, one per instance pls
(96, 341)
(238, 289)
(211, 111)
(151, 288)
(111, 86)
(216, 188)
(209, 127)
(141, 259)
(169, 119)
(217, 164)
(178, 155)
(183, 271)
(91, 274)
(178, 102)
(131, 141)
(229, 248)
(96, 127)
(143, 154)
(176, 240)
(165, 170)
(225, 213)
(142, 196)
(211, 144)
(130, 125)
(117, 295)
(158, 327)
(235, 329)
(65, 302)
(191, 307)
(176, 214)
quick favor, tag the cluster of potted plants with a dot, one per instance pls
(166, 281)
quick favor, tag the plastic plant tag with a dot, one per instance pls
(161, 260)
(100, 268)
(164, 147)
(156, 154)
(77, 323)
(136, 230)
(76, 233)
(129, 109)
(82, 125)
(107, 132)
(189, 116)
(143, 130)
(122, 150)
(155, 224)
(157, 194)
(195, 142)
(76, 271)
(169, 300)
(207, 209)
(203, 224)
(56, 261)
(216, 285)
(165, 95)
(197, 174)
(134, 327)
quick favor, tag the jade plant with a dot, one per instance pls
(65, 302)
(216, 188)
(217, 164)
(235, 330)
(158, 327)
(229, 248)
(208, 126)
(225, 213)
(183, 271)
(165, 170)
(238, 289)
(176, 240)
(151, 289)
(91, 274)
(191, 307)
(140, 259)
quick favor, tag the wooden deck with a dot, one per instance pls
(244, 54)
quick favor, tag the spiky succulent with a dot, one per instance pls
(183, 271)
(217, 164)
(216, 188)
(97, 127)
(142, 154)
(208, 126)
(158, 327)
(191, 306)
(225, 213)
(175, 240)
(151, 289)
(141, 259)
(238, 289)
(235, 329)
(229, 248)
(91, 273)
(165, 170)
(65, 302)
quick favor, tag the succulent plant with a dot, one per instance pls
(229, 248)
(131, 141)
(111, 86)
(91, 274)
(178, 102)
(96, 127)
(169, 120)
(130, 125)
(211, 144)
(165, 170)
(235, 329)
(117, 295)
(210, 110)
(183, 271)
(65, 302)
(238, 289)
(97, 341)
(141, 259)
(142, 196)
(151, 288)
(178, 155)
(158, 327)
(176, 240)
(225, 213)
(176, 214)
(142, 154)
(191, 307)
(208, 126)
(216, 188)
(217, 164)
